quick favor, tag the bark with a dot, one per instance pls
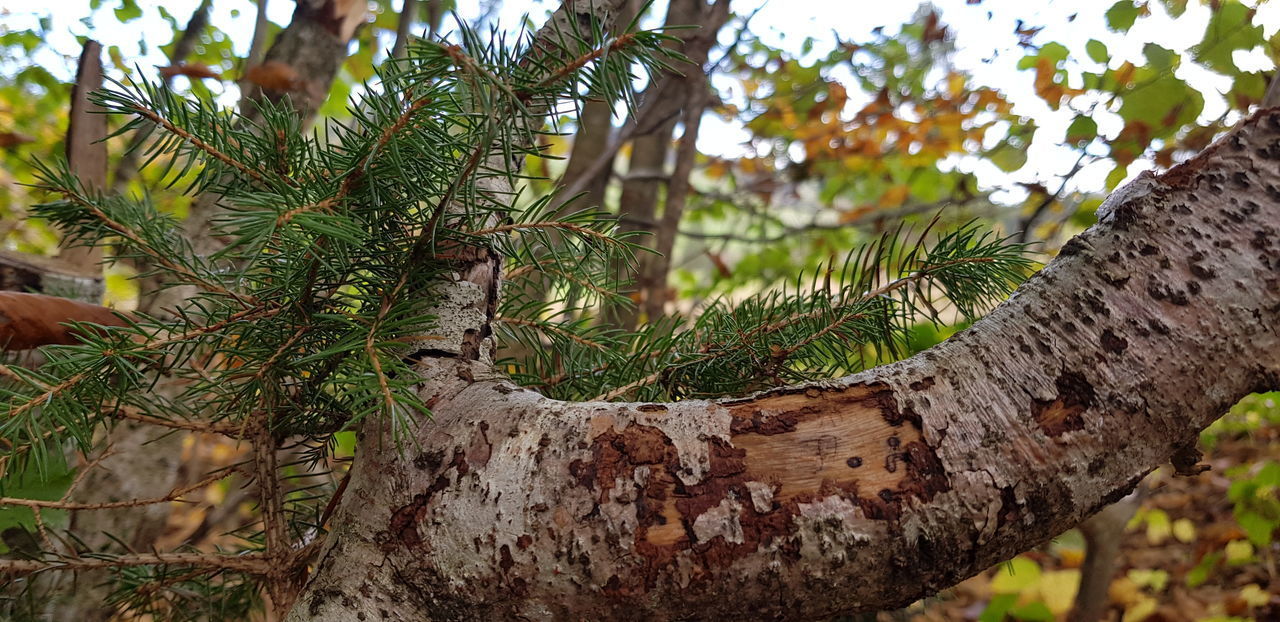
(589, 144)
(1271, 98)
(856, 494)
(408, 11)
(638, 207)
(652, 280)
(305, 57)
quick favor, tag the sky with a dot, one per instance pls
(984, 38)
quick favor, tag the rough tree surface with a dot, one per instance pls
(857, 494)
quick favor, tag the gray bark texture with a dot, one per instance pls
(861, 493)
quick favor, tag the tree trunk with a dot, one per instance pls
(652, 280)
(855, 494)
(668, 95)
(1103, 535)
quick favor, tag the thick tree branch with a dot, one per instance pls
(856, 494)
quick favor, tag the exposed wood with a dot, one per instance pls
(32, 320)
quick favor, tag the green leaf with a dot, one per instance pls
(1230, 28)
(926, 184)
(1160, 58)
(1122, 15)
(998, 607)
(128, 11)
(1257, 527)
(30, 485)
(1116, 176)
(1198, 575)
(1008, 157)
(1054, 51)
(1164, 103)
(1035, 611)
(1082, 130)
(1175, 7)
(1097, 51)
(1268, 475)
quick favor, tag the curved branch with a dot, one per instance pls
(856, 494)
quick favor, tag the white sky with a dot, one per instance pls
(984, 36)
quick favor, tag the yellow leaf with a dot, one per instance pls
(1239, 551)
(1125, 592)
(1071, 558)
(1140, 610)
(1184, 530)
(1058, 590)
(1154, 579)
(1158, 527)
(1254, 595)
(1015, 576)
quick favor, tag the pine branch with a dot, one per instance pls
(196, 142)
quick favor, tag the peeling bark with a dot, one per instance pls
(857, 494)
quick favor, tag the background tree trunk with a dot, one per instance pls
(672, 97)
(857, 494)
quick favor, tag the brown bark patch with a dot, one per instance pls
(403, 525)
(1065, 412)
(787, 449)
(1113, 343)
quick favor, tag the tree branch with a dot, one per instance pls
(855, 494)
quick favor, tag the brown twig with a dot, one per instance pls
(253, 563)
(172, 495)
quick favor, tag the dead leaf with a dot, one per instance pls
(274, 75)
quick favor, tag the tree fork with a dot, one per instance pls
(856, 494)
